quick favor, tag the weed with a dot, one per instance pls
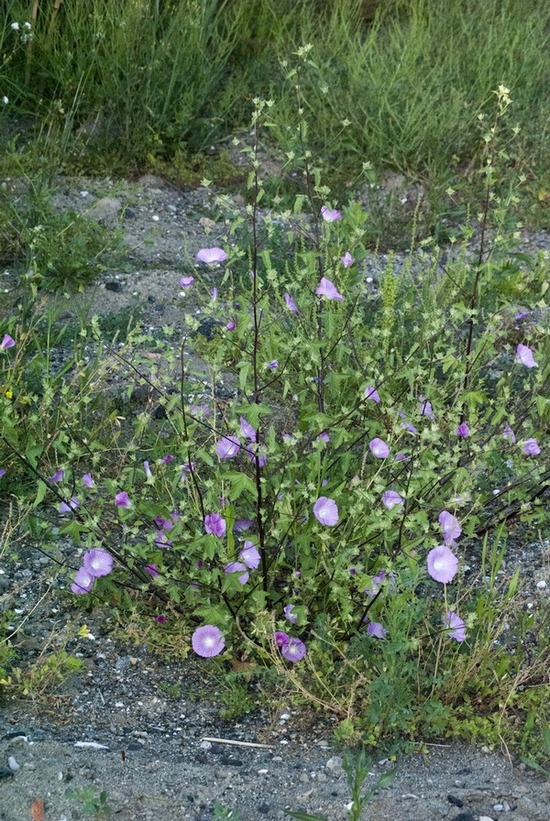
(93, 803)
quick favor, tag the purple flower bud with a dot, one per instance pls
(372, 393)
(347, 260)
(7, 342)
(123, 500)
(531, 447)
(289, 615)
(509, 434)
(186, 282)
(330, 214)
(463, 431)
(87, 480)
(152, 569)
(68, 507)
(291, 305)
(57, 476)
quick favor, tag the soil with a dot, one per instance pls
(135, 724)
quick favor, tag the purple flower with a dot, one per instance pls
(509, 434)
(442, 564)
(208, 641)
(372, 393)
(531, 447)
(323, 437)
(7, 342)
(328, 289)
(326, 511)
(161, 540)
(242, 524)
(281, 638)
(289, 615)
(231, 326)
(68, 507)
(379, 448)
(406, 425)
(400, 457)
(82, 582)
(347, 260)
(147, 470)
(211, 255)
(291, 305)
(238, 567)
(390, 498)
(152, 569)
(254, 453)
(425, 408)
(123, 500)
(186, 282)
(162, 523)
(463, 431)
(3, 472)
(247, 430)
(524, 356)
(450, 526)
(294, 650)
(97, 562)
(454, 626)
(87, 480)
(57, 476)
(330, 214)
(215, 524)
(250, 555)
(376, 583)
(227, 447)
(374, 628)
(273, 364)
(167, 459)
(161, 619)
(214, 294)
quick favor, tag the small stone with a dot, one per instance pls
(498, 807)
(155, 218)
(334, 764)
(541, 585)
(13, 764)
(115, 287)
(5, 773)
(321, 777)
(485, 818)
(284, 716)
(304, 778)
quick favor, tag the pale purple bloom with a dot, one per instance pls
(326, 511)
(520, 315)
(273, 364)
(289, 615)
(238, 567)
(87, 480)
(509, 434)
(390, 498)
(330, 214)
(68, 507)
(425, 407)
(400, 457)
(214, 294)
(162, 540)
(208, 641)
(242, 524)
(7, 342)
(463, 430)
(167, 459)
(147, 469)
(227, 447)
(215, 524)
(442, 564)
(186, 282)
(123, 500)
(250, 555)
(161, 619)
(531, 447)
(376, 583)
(164, 524)
(260, 455)
(57, 476)
(152, 569)
(3, 472)
(291, 305)
(454, 625)
(211, 255)
(524, 356)
(97, 562)
(328, 289)
(247, 430)
(323, 437)
(347, 260)
(406, 425)
(281, 638)
(372, 393)
(82, 582)
(379, 448)
(231, 326)
(294, 650)
(450, 526)
(374, 628)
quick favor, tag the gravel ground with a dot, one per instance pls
(150, 716)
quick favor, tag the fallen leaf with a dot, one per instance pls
(37, 810)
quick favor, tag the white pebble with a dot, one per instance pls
(541, 585)
(205, 745)
(498, 807)
(13, 764)
(156, 218)
(284, 716)
(263, 772)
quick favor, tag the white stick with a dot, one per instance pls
(238, 743)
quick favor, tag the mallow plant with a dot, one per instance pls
(320, 481)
